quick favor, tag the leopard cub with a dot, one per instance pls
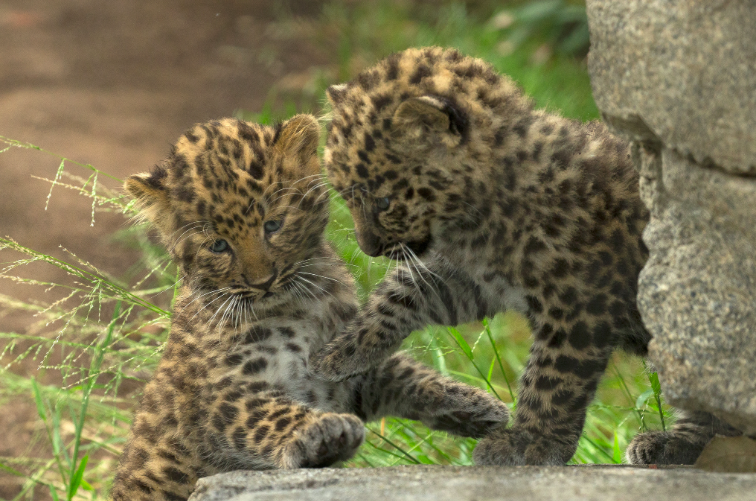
(491, 205)
(242, 210)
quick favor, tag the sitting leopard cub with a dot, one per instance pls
(242, 209)
(492, 205)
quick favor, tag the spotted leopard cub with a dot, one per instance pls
(492, 205)
(242, 209)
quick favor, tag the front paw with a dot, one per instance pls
(475, 416)
(341, 359)
(516, 447)
(327, 440)
(656, 447)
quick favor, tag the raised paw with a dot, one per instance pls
(657, 447)
(516, 447)
(475, 415)
(324, 441)
(343, 358)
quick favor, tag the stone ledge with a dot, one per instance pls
(681, 70)
(453, 483)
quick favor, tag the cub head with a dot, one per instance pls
(403, 144)
(238, 205)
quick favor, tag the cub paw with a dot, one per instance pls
(328, 439)
(656, 447)
(341, 359)
(516, 447)
(476, 417)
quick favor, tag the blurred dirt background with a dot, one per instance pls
(114, 84)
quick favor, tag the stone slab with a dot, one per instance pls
(697, 292)
(678, 79)
(454, 483)
(682, 72)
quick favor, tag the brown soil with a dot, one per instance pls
(113, 84)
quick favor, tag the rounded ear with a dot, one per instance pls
(299, 137)
(428, 120)
(151, 193)
(336, 93)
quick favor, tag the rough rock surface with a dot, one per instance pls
(452, 483)
(685, 68)
(679, 80)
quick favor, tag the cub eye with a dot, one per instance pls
(382, 203)
(272, 226)
(219, 246)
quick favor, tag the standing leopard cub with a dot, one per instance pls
(492, 205)
(242, 210)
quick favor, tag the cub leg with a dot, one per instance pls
(566, 362)
(407, 300)
(403, 387)
(275, 432)
(680, 445)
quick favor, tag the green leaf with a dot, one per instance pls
(616, 452)
(460, 342)
(534, 12)
(57, 441)
(487, 326)
(38, 401)
(77, 478)
(53, 493)
(654, 379)
(454, 333)
(643, 398)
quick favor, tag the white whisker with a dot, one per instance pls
(315, 285)
(321, 276)
(230, 296)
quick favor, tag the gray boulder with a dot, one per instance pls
(452, 483)
(678, 79)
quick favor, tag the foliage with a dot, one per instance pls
(554, 26)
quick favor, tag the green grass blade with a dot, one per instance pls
(29, 146)
(405, 454)
(626, 390)
(599, 448)
(53, 493)
(41, 411)
(79, 425)
(495, 349)
(77, 478)
(654, 379)
(616, 452)
(52, 429)
(454, 333)
(95, 280)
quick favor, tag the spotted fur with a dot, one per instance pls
(681, 445)
(232, 389)
(490, 205)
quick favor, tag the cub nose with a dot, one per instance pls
(370, 243)
(264, 285)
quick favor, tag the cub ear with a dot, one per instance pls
(299, 137)
(429, 120)
(151, 193)
(336, 93)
